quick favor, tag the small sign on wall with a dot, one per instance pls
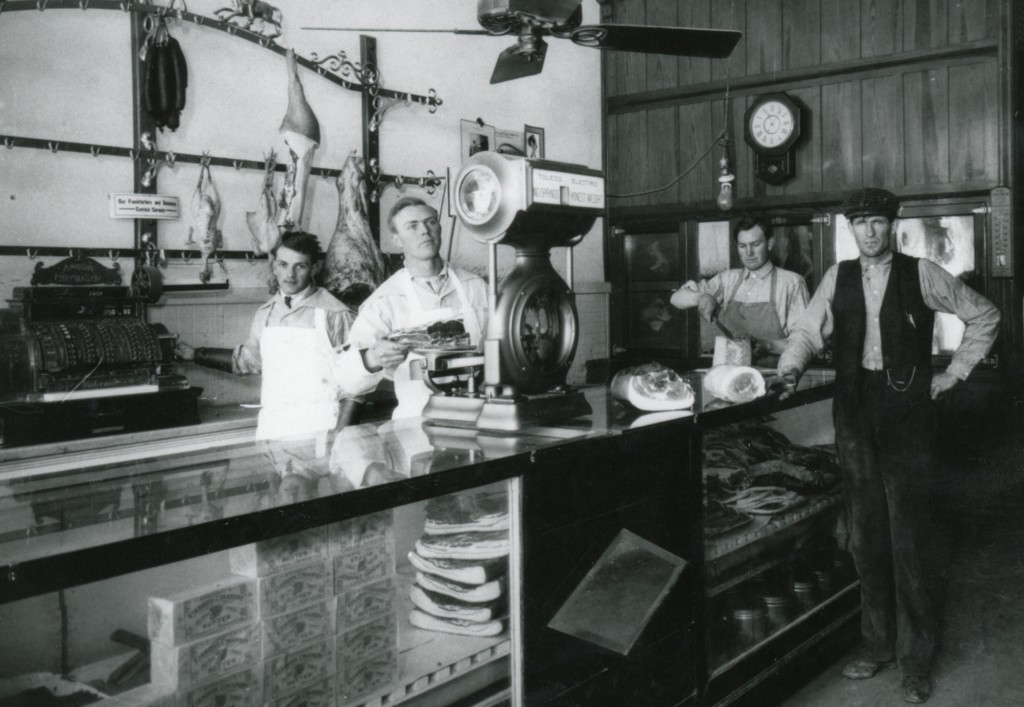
(144, 206)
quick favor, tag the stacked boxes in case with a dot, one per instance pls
(205, 645)
(363, 560)
(461, 562)
(292, 575)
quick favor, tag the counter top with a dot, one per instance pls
(67, 504)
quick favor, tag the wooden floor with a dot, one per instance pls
(981, 504)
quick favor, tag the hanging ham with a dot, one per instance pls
(355, 266)
(301, 132)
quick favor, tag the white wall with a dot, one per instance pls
(236, 99)
(66, 76)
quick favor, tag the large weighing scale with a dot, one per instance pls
(533, 328)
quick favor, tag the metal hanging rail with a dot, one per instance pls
(171, 158)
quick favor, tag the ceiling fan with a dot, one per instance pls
(532, 20)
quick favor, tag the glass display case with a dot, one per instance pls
(391, 563)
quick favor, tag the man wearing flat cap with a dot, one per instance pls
(878, 310)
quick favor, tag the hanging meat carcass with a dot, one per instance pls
(301, 132)
(204, 212)
(355, 266)
(262, 222)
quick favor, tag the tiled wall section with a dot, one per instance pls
(222, 319)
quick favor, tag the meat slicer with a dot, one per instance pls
(532, 332)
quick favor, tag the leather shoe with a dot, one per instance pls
(916, 689)
(863, 668)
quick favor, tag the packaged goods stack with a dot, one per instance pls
(205, 645)
(297, 608)
(461, 562)
(363, 564)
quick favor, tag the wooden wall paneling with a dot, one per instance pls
(664, 155)
(925, 24)
(730, 14)
(973, 19)
(880, 27)
(763, 33)
(631, 174)
(974, 122)
(694, 13)
(662, 69)
(755, 187)
(696, 132)
(631, 67)
(808, 150)
(926, 126)
(882, 131)
(841, 165)
(801, 34)
(612, 154)
(743, 158)
(840, 31)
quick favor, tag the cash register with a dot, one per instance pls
(79, 359)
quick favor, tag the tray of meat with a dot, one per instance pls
(448, 335)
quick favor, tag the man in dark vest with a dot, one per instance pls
(879, 312)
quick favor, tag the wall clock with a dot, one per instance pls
(771, 126)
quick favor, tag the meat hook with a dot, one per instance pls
(8, 142)
(30, 254)
(54, 146)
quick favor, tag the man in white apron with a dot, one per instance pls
(291, 343)
(759, 300)
(425, 291)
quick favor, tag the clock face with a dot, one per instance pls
(771, 124)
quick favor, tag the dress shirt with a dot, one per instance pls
(756, 286)
(385, 310)
(274, 312)
(941, 292)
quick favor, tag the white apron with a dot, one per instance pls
(412, 392)
(299, 396)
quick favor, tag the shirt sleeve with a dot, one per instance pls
(246, 359)
(713, 286)
(812, 329)
(946, 293)
(366, 330)
(796, 304)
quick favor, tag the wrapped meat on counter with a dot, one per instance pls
(735, 384)
(464, 546)
(652, 387)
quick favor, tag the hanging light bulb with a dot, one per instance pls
(726, 179)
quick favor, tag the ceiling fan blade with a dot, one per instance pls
(680, 41)
(514, 64)
(557, 11)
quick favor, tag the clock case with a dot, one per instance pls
(774, 165)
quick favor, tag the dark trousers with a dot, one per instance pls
(886, 437)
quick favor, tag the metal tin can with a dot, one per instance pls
(750, 627)
(805, 595)
(779, 608)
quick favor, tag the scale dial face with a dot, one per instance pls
(771, 124)
(539, 327)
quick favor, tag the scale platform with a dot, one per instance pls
(502, 415)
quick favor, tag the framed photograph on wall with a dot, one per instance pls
(533, 141)
(476, 137)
